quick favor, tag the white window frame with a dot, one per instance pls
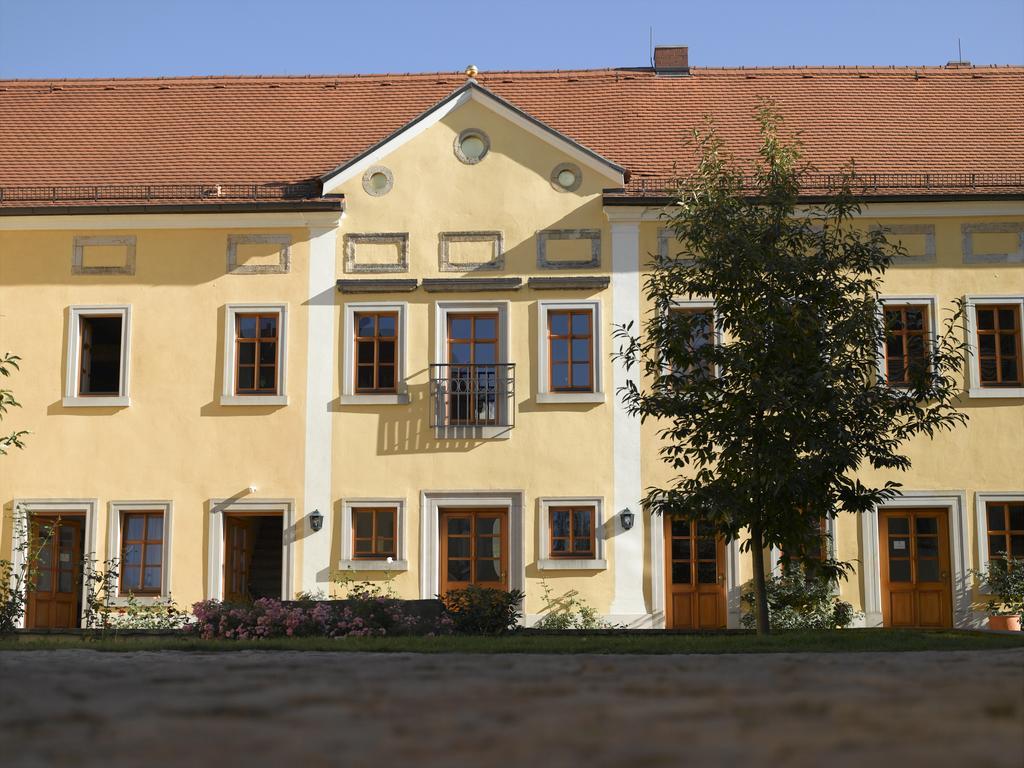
(974, 375)
(981, 500)
(931, 301)
(116, 511)
(441, 311)
(544, 392)
(348, 368)
(350, 563)
(228, 396)
(830, 549)
(215, 548)
(72, 397)
(545, 562)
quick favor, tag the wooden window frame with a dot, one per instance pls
(572, 553)
(375, 511)
(997, 332)
(376, 339)
(473, 340)
(1006, 531)
(570, 337)
(925, 333)
(700, 308)
(145, 542)
(256, 365)
(546, 393)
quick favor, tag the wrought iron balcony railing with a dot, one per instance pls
(473, 395)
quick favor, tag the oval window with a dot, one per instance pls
(473, 147)
(566, 178)
(379, 182)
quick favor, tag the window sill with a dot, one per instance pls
(254, 400)
(569, 564)
(1001, 393)
(570, 397)
(102, 401)
(121, 601)
(472, 433)
(373, 565)
(401, 398)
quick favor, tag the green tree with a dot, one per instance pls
(767, 428)
(9, 363)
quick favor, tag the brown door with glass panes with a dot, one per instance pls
(472, 369)
(695, 575)
(474, 548)
(55, 600)
(916, 590)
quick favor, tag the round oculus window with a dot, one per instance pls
(378, 181)
(566, 177)
(471, 146)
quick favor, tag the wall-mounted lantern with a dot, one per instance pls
(316, 520)
(627, 518)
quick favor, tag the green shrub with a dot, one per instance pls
(798, 602)
(569, 611)
(1004, 578)
(483, 611)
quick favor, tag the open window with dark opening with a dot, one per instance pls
(100, 355)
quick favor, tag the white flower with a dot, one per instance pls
(391, 559)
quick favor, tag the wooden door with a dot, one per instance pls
(472, 369)
(916, 589)
(474, 548)
(694, 575)
(239, 541)
(55, 601)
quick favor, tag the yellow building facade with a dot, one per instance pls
(412, 380)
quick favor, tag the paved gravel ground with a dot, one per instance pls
(84, 708)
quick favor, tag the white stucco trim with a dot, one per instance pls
(544, 393)
(24, 508)
(228, 396)
(628, 547)
(974, 374)
(544, 560)
(981, 499)
(349, 563)
(503, 309)
(92, 222)
(431, 503)
(929, 300)
(348, 370)
(960, 577)
(321, 347)
(72, 398)
(115, 513)
(215, 547)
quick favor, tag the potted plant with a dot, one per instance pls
(1004, 580)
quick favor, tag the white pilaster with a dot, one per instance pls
(320, 357)
(628, 552)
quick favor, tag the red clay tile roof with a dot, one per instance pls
(279, 130)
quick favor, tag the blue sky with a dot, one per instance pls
(102, 38)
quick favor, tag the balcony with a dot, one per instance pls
(472, 400)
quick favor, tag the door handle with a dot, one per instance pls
(945, 575)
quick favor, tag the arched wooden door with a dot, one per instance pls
(694, 576)
(55, 601)
(916, 588)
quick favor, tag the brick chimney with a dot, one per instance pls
(671, 60)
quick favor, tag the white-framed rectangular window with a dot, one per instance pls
(911, 332)
(139, 537)
(570, 534)
(569, 352)
(995, 358)
(98, 356)
(471, 373)
(255, 354)
(708, 332)
(373, 535)
(374, 362)
(1000, 525)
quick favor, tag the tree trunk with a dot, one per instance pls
(760, 593)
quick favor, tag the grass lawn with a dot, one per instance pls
(846, 641)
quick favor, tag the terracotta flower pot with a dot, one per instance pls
(1005, 623)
